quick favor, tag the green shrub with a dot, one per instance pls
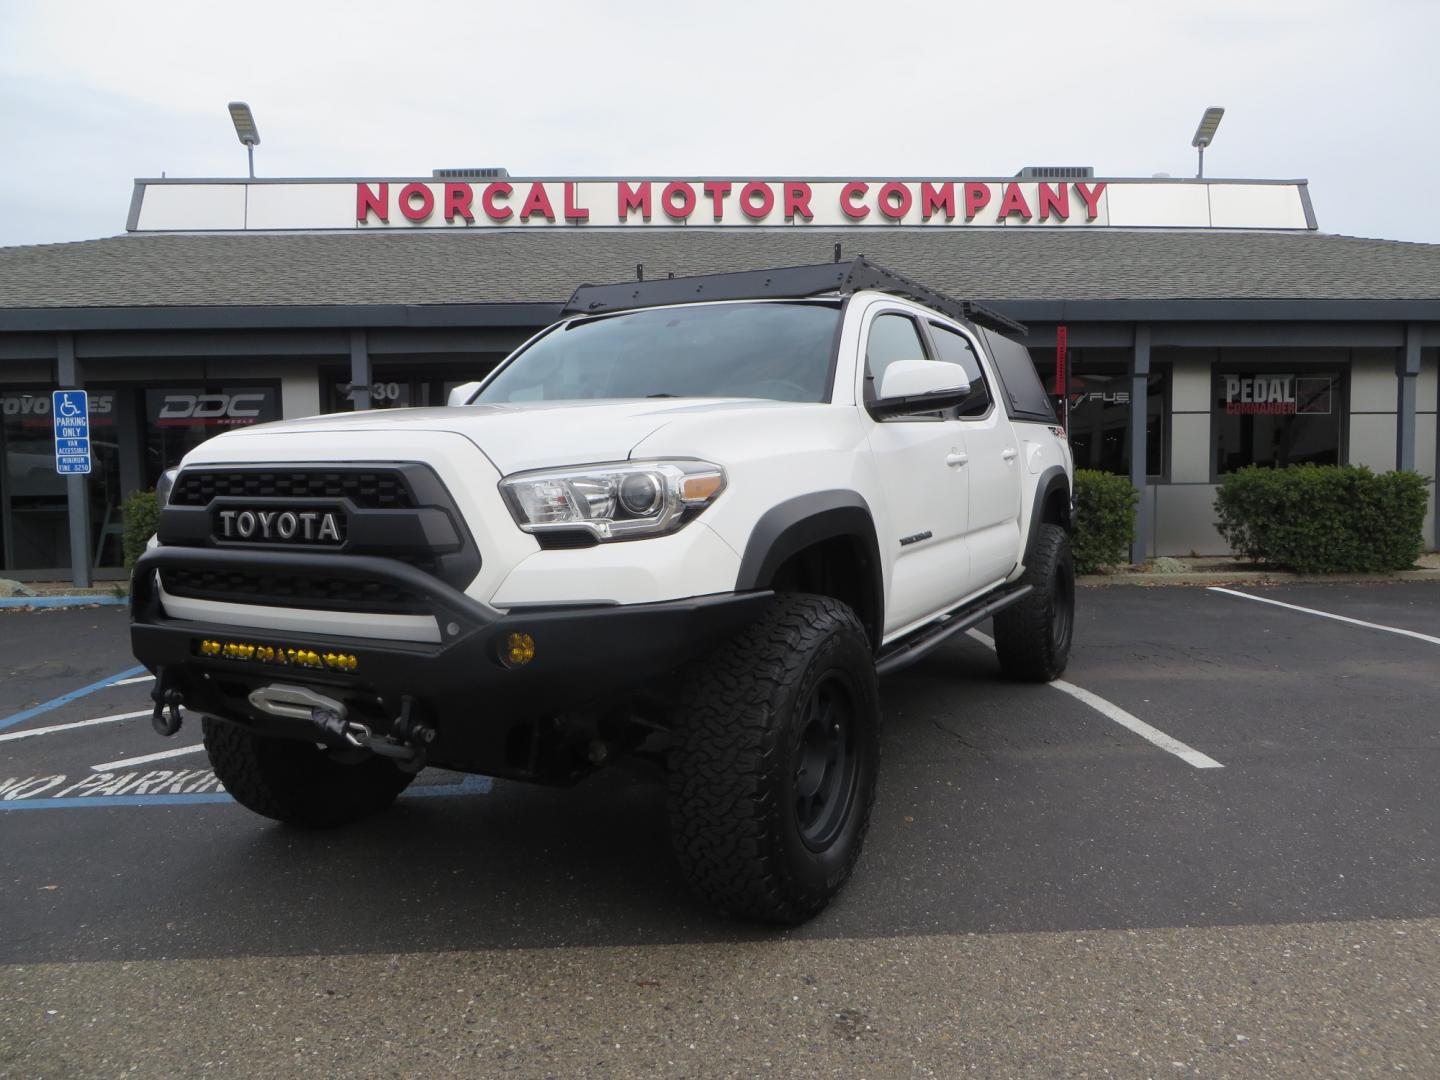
(141, 515)
(1323, 518)
(1104, 520)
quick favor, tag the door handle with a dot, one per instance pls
(956, 457)
(1010, 453)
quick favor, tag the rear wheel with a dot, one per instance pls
(299, 782)
(1032, 638)
(773, 762)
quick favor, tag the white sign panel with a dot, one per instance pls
(511, 202)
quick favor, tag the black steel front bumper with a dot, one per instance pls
(584, 656)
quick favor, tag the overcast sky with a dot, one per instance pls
(93, 95)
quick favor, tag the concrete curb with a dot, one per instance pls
(63, 601)
(1253, 577)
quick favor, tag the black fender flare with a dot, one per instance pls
(1052, 478)
(796, 524)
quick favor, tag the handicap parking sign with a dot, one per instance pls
(71, 411)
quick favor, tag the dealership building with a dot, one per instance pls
(1208, 324)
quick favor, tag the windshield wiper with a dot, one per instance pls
(661, 395)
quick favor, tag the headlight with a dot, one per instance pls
(163, 488)
(614, 502)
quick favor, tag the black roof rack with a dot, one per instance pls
(786, 282)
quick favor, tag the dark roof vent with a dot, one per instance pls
(1056, 172)
(470, 174)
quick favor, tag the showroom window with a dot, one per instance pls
(1276, 418)
(1100, 416)
(407, 384)
(180, 418)
(34, 504)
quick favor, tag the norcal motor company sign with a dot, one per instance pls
(725, 202)
(512, 202)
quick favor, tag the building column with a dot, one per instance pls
(68, 377)
(1139, 408)
(1407, 371)
(360, 375)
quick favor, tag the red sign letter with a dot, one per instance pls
(1013, 202)
(797, 201)
(1059, 201)
(716, 190)
(1091, 199)
(457, 201)
(367, 200)
(767, 200)
(847, 200)
(427, 202)
(894, 210)
(537, 202)
(573, 212)
(933, 199)
(628, 199)
(977, 197)
(686, 205)
(487, 200)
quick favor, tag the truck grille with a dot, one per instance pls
(432, 538)
(372, 489)
(291, 590)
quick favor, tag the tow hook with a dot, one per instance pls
(166, 718)
(330, 719)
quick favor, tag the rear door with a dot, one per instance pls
(993, 464)
(920, 463)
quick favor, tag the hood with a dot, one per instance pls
(528, 435)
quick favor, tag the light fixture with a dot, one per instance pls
(246, 130)
(1205, 134)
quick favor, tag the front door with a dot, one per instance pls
(920, 460)
(994, 465)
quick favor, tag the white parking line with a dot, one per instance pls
(1328, 615)
(11, 736)
(124, 763)
(137, 678)
(1111, 711)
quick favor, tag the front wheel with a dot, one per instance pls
(1032, 638)
(299, 782)
(773, 762)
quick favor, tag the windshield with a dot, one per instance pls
(765, 350)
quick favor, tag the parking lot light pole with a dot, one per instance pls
(246, 130)
(1205, 135)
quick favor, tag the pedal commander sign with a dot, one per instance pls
(511, 202)
(1276, 395)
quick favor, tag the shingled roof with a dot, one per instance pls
(430, 267)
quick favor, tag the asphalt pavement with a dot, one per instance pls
(1051, 886)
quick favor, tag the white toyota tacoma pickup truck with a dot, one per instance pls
(688, 526)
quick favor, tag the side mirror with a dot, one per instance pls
(462, 394)
(919, 386)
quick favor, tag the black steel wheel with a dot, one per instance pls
(826, 762)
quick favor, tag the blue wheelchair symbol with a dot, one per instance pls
(68, 407)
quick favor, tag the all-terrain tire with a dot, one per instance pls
(298, 782)
(1032, 638)
(773, 761)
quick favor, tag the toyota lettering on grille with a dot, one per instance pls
(283, 526)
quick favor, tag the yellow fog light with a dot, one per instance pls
(519, 650)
